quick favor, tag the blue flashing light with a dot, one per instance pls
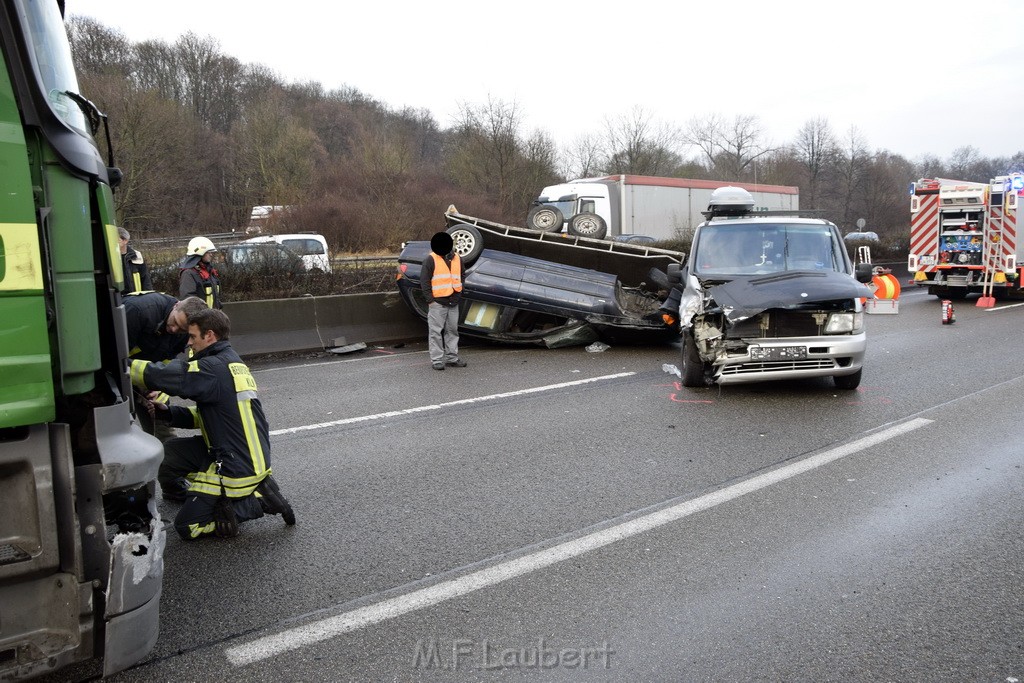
(1017, 182)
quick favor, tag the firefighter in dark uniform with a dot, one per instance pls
(227, 469)
(198, 275)
(157, 330)
(158, 324)
(136, 273)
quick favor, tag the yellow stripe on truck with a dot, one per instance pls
(21, 265)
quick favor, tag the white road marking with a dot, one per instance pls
(449, 404)
(324, 629)
(1003, 308)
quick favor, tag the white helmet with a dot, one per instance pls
(197, 246)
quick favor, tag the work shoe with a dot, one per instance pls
(176, 491)
(438, 365)
(457, 363)
(224, 518)
(273, 503)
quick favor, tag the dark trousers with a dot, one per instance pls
(183, 456)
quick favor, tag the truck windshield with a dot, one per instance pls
(752, 249)
(51, 55)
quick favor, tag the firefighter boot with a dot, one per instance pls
(224, 518)
(273, 503)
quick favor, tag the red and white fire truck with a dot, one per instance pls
(964, 236)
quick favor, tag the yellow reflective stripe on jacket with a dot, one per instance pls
(138, 372)
(446, 281)
(137, 279)
(209, 295)
(23, 262)
(245, 388)
(193, 366)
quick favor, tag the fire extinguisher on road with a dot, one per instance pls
(948, 316)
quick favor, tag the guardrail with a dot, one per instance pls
(321, 322)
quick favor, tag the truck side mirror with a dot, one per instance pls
(863, 272)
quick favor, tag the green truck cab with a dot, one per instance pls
(81, 540)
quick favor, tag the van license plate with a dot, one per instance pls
(778, 352)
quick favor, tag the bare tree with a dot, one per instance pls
(851, 169)
(965, 164)
(97, 49)
(487, 148)
(582, 158)
(637, 145)
(731, 150)
(815, 150)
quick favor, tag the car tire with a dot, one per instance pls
(848, 382)
(468, 242)
(694, 370)
(545, 218)
(658, 278)
(588, 225)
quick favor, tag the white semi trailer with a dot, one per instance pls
(619, 206)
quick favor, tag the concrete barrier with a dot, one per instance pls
(312, 323)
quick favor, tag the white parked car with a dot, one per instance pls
(311, 247)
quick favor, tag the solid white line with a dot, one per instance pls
(269, 646)
(449, 404)
(1003, 308)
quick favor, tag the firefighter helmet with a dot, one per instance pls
(197, 246)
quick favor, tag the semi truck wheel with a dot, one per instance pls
(588, 225)
(546, 218)
(468, 242)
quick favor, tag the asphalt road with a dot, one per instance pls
(564, 515)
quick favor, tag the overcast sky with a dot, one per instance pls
(914, 78)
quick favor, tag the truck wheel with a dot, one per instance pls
(693, 372)
(546, 218)
(468, 242)
(588, 225)
(848, 382)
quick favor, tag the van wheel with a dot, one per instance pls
(848, 382)
(588, 225)
(468, 242)
(694, 371)
(546, 218)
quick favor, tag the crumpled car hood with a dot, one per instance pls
(744, 297)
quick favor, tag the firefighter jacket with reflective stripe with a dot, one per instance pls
(441, 279)
(136, 273)
(146, 317)
(200, 281)
(227, 410)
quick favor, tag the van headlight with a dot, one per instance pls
(844, 323)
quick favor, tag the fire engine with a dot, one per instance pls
(964, 236)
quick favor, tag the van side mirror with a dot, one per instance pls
(863, 272)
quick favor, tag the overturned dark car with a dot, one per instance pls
(528, 287)
(767, 297)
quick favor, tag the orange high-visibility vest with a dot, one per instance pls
(446, 281)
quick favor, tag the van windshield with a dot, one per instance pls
(752, 249)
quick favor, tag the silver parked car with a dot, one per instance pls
(768, 296)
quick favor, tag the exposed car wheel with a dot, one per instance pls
(657, 277)
(468, 242)
(546, 218)
(848, 382)
(694, 369)
(588, 225)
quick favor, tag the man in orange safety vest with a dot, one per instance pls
(441, 280)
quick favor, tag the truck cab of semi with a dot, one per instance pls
(81, 539)
(582, 207)
(770, 295)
